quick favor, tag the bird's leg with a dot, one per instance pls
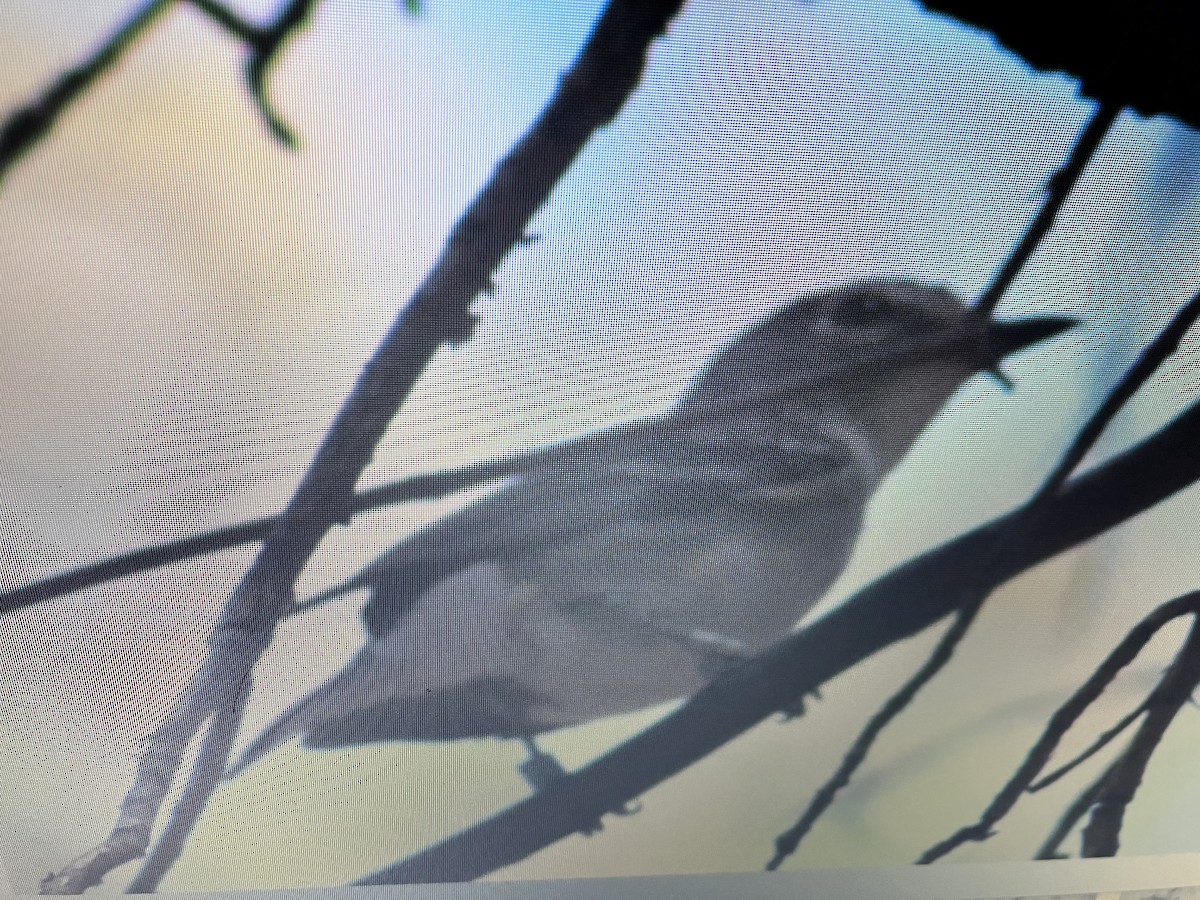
(541, 770)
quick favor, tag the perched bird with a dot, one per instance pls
(631, 567)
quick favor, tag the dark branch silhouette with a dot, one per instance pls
(1109, 795)
(1070, 818)
(786, 843)
(1105, 738)
(589, 96)
(264, 44)
(1164, 345)
(1101, 836)
(28, 125)
(239, 28)
(1143, 368)
(209, 768)
(1058, 188)
(1062, 720)
(144, 559)
(1153, 355)
(898, 605)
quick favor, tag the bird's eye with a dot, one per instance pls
(861, 309)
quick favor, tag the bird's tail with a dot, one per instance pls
(309, 709)
(293, 721)
(363, 679)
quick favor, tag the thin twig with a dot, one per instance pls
(788, 841)
(1096, 746)
(1116, 784)
(264, 43)
(1058, 188)
(1062, 720)
(1070, 818)
(26, 126)
(1164, 345)
(205, 776)
(1102, 835)
(264, 50)
(246, 32)
(144, 559)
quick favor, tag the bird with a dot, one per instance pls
(639, 562)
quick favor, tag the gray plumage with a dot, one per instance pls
(631, 567)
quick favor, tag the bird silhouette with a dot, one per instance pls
(634, 565)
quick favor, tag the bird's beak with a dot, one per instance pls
(1007, 338)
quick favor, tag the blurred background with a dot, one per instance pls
(186, 304)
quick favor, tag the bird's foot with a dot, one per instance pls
(796, 709)
(541, 770)
(631, 808)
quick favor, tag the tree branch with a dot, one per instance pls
(1164, 345)
(1152, 356)
(1061, 722)
(144, 559)
(1102, 835)
(26, 126)
(263, 50)
(207, 774)
(1070, 817)
(246, 32)
(1058, 188)
(589, 95)
(900, 604)
(1103, 740)
(786, 843)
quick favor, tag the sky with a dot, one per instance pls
(186, 304)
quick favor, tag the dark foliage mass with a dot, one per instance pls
(1140, 55)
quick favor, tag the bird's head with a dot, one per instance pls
(883, 354)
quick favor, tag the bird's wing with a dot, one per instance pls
(597, 583)
(714, 470)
